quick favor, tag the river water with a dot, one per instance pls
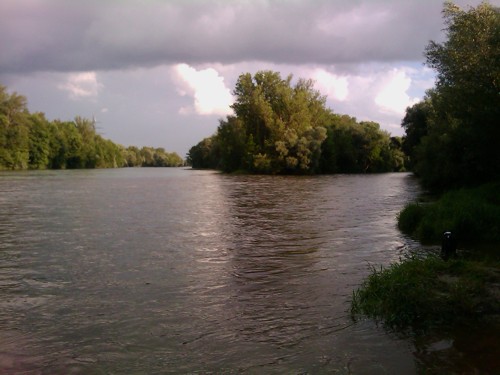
(152, 271)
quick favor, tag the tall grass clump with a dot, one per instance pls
(423, 293)
(472, 214)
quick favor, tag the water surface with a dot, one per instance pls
(133, 271)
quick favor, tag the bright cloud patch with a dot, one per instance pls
(210, 94)
(82, 85)
(334, 86)
(393, 96)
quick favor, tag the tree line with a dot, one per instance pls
(284, 128)
(30, 141)
(452, 135)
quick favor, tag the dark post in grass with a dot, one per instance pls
(448, 246)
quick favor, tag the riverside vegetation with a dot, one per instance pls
(30, 141)
(424, 293)
(452, 145)
(285, 128)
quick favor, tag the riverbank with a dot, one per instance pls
(426, 297)
(472, 214)
(449, 310)
(422, 292)
(428, 293)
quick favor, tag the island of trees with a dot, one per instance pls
(285, 128)
(30, 141)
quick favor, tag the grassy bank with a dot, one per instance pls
(423, 293)
(473, 215)
(429, 293)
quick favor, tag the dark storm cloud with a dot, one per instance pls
(57, 35)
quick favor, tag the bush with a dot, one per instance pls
(422, 293)
(472, 214)
(410, 218)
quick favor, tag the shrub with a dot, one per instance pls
(472, 214)
(422, 293)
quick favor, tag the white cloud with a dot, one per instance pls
(206, 87)
(82, 85)
(393, 96)
(333, 86)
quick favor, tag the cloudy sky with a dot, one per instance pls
(161, 72)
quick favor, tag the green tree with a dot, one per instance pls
(339, 151)
(352, 147)
(284, 124)
(174, 160)
(232, 140)
(14, 130)
(163, 158)
(397, 155)
(108, 154)
(132, 156)
(72, 146)
(280, 127)
(461, 144)
(57, 146)
(147, 156)
(31, 141)
(88, 152)
(416, 125)
(205, 154)
(39, 142)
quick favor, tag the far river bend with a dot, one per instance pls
(152, 271)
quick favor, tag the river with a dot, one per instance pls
(152, 271)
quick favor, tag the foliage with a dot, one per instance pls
(30, 141)
(287, 123)
(204, 154)
(473, 215)
(14, 130)
(352, 147)
(422, 293)
(452, 136)
(281, 128)
(158, 157)
(415, 124)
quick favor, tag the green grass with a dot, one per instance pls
(473, 215)
(427, 293)
(424, 293)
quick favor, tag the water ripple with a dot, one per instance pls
(178, 271)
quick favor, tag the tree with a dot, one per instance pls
(132, 156)
(31, 141)
(72, 146)
(352, 147)
(204, 154)
(39, 142)
(88, 152)
(14, 130)
(416, 126)
(231, 136)
(467, 63)
(460, 144)
(285, 128)
(397, 156)
(279, 125)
